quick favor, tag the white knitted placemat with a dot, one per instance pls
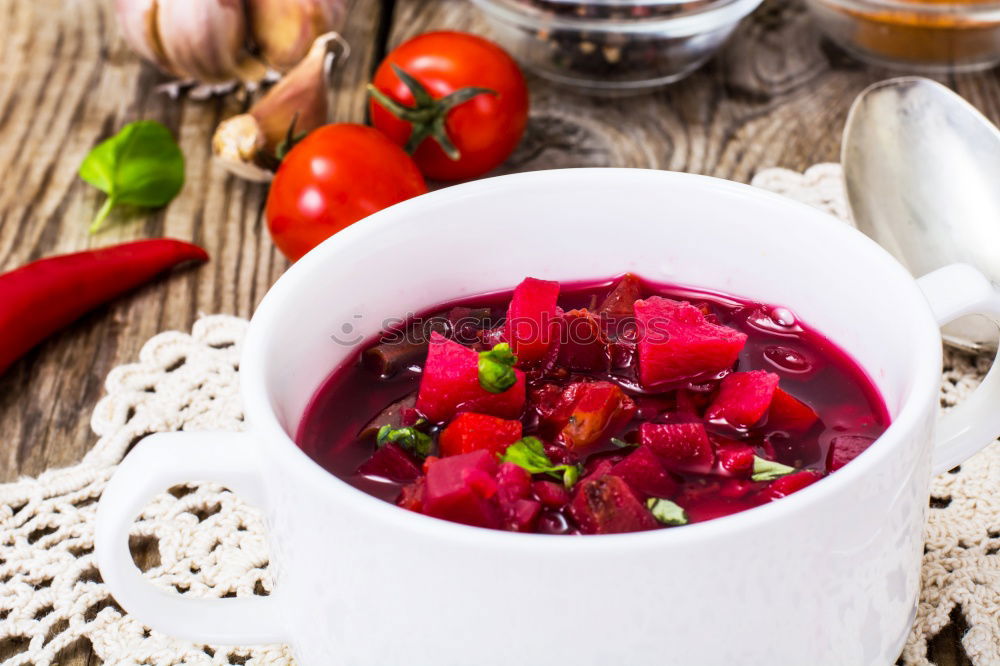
(210, 544)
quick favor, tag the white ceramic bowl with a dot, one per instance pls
(827, 576)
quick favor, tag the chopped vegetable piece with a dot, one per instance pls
(522, 515)
(411, 497)
(552, 495)
(588, 411)
(409, 438)
(768, 470)
(532, 322)
(496, 368)
(736, 488)
(711, 507)
(529, 453)
(676, 342)
(513, 482)
(402, 349)
(607, 505)
(469, 432)
(682, 447)
(644, 472)
(461, 488)
(620, 301)
(583, 345)
(736, 459)
(391, 462)
(790, 413)
(450, 383)
(744, 398)
(844, 449)
(667, 512)
(787, 485)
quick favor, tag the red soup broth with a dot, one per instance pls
(820, 410)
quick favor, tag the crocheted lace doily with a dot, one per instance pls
(210, 544)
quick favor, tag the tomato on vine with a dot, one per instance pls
(457, 102)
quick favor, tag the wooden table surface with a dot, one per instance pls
(776, 96)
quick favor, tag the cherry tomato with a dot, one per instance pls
(331, 179)
(484, 129)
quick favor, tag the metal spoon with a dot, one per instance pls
(922, 168)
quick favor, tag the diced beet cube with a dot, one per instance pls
(391, 462)
(469, 432)
(461, 489)
(547, 401)
(583, 345)
(552, 495)
(787, 485)
(558, 454)
(789, 413)
(682, 447)
(676, 342)
(408, 416)
(513, 482)
(644, 472)
(450, 383)
(735, 460)
(522, 515)
(597, 467)
(620, 301)
(589, 412)
(609, 506)
(736, 488)
(689, 403)
(532, 326)
(412, 495)
(844, 449)
(711, 507)
(744, 398)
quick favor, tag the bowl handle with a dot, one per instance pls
(157, 463)
(955, 291)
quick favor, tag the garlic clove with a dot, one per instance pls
(246, 144)
(284, 30)
(207, 40)
(137, 20)
(236, 144)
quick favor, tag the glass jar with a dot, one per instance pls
(614, 46)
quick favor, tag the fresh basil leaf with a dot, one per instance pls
(768, 470)
(496, 368)
(667, 512)
(529, 453)
(142, 165)
(409, 438)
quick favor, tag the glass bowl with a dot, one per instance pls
(924, 35)
(614, 46)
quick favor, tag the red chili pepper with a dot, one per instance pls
(41, 297)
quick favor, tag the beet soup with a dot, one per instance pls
(605, 407)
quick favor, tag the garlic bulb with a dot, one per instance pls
(247, 144)
(284, 30)
(216, 41)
